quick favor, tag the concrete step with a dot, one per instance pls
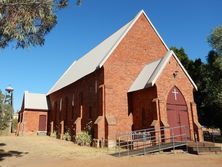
(41, 133)
(203, 147)
(201, 144)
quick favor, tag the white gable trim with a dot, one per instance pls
(128, 29)
(185, 71)
(162, 65)
(101, 52)
(155, 29)
(90, 61)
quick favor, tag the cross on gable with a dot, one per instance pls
(175, 92)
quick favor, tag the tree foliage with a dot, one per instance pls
(208, 78)
(215, 39)
(182, 56)
(5, 113)
(26, 22)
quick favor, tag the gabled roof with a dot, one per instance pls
(95, 58)
(144, 76)
(35, 101)
(151, 72)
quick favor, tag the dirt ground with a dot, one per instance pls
(43, 151)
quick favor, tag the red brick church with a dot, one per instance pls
(129, 81)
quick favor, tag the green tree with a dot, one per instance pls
(215, 39)
(1, 101)
(182, 56)
(208, 78)
(5, 113)
(214, 87)
(5, 117)
(213, 98)
(26, 22)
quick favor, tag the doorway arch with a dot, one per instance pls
(177, 114)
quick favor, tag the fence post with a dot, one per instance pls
(186, 137)
(144, 142)
(195, 135)
(173, 140)
(119, 145)
(128, 145)
(159, 139)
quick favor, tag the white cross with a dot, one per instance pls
(175, 93)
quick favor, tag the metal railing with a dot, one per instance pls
(150, 140)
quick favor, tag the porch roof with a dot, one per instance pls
(150, 73)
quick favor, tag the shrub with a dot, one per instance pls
(53, 134)
(5, 117)
(14, 124)
(67, 136)
(83, 138)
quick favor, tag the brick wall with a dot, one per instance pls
(101, 97)
(30, 120)
(139, 47)
(164, 84)
(77, 104)
(143, 108)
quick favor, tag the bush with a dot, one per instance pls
(83, 138)
(53, 134)
(14, 125)
(67, 136)
(5, 117)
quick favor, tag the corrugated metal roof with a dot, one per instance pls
(89, 62)
(159, 68)
(144, 77)
(151, 72)
(96, 57)
(35, 101)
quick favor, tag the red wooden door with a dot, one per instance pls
(174, 121)
(42, 123)
(177, 114)
(184, 120)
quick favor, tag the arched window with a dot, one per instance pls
(143, 115)
(90, 113)
(66, 108)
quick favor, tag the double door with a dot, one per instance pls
(178, 121)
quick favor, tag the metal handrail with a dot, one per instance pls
(136, 131)
(145, 138)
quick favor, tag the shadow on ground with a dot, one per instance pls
(12, 153)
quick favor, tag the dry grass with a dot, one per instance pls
(46, 146)
(44, 151)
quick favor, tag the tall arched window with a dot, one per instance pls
(143, 116)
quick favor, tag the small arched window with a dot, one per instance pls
(143, 115)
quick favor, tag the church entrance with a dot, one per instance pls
(177, 114)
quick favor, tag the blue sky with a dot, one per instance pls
(181, 23)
